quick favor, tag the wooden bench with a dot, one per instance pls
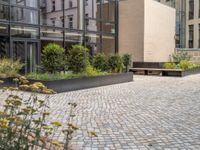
(164, 72)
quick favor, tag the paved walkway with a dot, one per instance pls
(150, 113)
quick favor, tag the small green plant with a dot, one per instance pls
(9, 68)
(115, 63)
(179, 56)
(53, 57)
(169, 65)
(78, 58)
(126, 58)
(100, 62)
(90, 71)
(184, 64)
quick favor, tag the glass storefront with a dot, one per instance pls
(26, 26)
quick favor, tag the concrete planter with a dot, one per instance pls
(81, 83)
(182, 73)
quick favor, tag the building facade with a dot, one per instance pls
(26, 26)
(180, 6)
(143, 33)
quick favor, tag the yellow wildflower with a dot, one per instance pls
(36, 121)
(92, 134)
(4, 123)
(47, 128)
(56, 143)
(56, 123)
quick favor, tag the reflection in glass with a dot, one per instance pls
(108, 44)
(24, 32)
(31, 57)
(73, 36)
(24, 15)
(28, 3)
(4, 13)
(51, 33)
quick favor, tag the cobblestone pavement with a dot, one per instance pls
(149, 113)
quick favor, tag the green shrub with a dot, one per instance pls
(9, 68)
(179, 56)
(90, 71)
(126, 58)
(53, 57)
(193, 66)
(184, 64)
(100, 62)
(78, 58)
(115, 63)
(170, 65)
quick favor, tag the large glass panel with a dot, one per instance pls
(108, 10)
(51, 13)
(73, 36)
(4, 2)
(108, 44)
(108, 27)
(18, 48)
(3, 29)
(4, 12)
(73, 14)
(92, 25)
(92, 38)
(55, 34)
(92, 9)
(24, 32)
(4, 46)
(4, 41)
(28, 3)
(24, 15)
(32, 54)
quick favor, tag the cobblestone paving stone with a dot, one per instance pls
(151, 113)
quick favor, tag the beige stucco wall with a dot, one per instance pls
(146, 30)
(159, 32)
(131, 28)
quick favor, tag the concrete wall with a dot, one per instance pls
(159, 32)
(131, 28)
(146, 30)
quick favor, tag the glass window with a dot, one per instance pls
(191, 36)
(191, 9)
(108, 27)
(47, 33)
(108, 10)
(24, 15)
(24, 32)
(28, 3)
(108, 44)
(3, 29)
(73, 36)
(4, 2)
(51, 14)
(4, 13)
(4, 41)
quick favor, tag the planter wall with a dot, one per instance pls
(87, 82)
(81, 83)
(191, 72)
